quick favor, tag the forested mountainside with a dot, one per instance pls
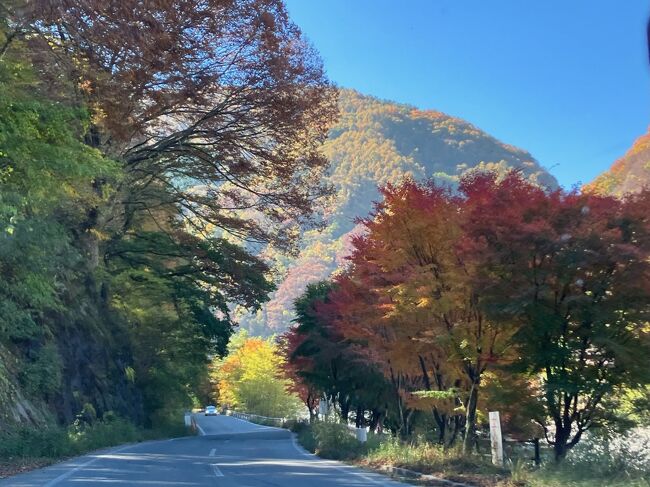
(373, 143)
(135, 166)
(629, 173)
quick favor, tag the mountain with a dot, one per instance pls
(375, 142)
(629, 173)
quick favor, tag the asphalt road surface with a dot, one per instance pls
(230, 452)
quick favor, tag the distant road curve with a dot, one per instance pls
(230, 452)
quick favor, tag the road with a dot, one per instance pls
(230, 452)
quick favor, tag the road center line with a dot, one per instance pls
(217, 472)
(212, 452)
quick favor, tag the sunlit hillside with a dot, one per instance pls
(629, 173)
(373, 143)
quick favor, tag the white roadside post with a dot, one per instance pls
(188, 419)
(323, 408)
(495, 439)
(362, 435)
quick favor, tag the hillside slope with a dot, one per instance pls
(373, 143)
(629, 173)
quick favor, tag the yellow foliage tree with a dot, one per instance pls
(250, 378)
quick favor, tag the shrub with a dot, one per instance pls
(88, 414)
(295, 425)
(59, 442)
(625, 455)
(306, 438)
(49, 441)
(398, 453)
(42, 373)
(598, 461)
(102, 434)
(333, 440)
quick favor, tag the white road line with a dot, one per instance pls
(200, 429)
(67, 474)
(212, 452)
(217, 472)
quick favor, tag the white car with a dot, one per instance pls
(210, 411)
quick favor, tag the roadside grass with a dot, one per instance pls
(334, 441)
(25, 448)
(622, 460)
(435, 460)
(431, 459)
(585, 469)
(570, 477)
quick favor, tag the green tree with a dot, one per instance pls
(135, 190)
(46, 175)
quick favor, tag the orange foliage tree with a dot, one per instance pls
(418, 283)
(501, 278)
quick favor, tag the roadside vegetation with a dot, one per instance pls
(143, 164)
(25, 447)
(498, 296)
(624, 462)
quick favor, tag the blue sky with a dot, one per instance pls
(567, 80)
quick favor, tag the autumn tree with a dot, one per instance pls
(503, 276)
(324, 360)
(427, 305)
(545, 289)
(250, 379)
(294, 367)
(215, 110)
(175, 138)
(571, 272)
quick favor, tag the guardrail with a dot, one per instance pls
(256, 418)
(360, 434)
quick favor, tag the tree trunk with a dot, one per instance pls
(375, 418)
(441, 422)
(358, 421)
(457, 427)
(406, 428)
(560, 447)
(345, 410)
(470, 422)
(537, 458)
